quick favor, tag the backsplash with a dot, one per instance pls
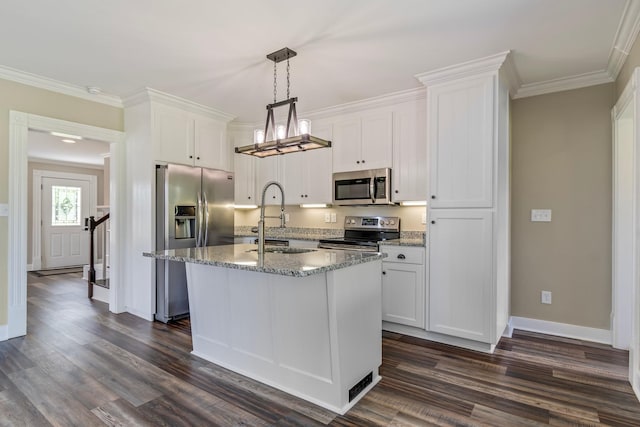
(411, 225)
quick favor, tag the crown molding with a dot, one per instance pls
(491, 63)
(153, 95)
(57, 86)
(626, 35)
(564, 83)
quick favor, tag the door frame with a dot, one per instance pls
(625, 307)
(36, 226)
(19, 125)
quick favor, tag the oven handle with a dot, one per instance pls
(345, 248)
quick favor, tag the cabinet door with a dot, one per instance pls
(461, 141)
(318, 176)
(210, 144)
(377, 141)
(244, 180)
(268, 169)
(173, 135)
(347, 137)
(460, 273)
(295, 172)
(403, 293)
(409, 181)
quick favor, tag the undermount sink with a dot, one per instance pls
(285, 250)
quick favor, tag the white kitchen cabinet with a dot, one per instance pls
(460, 273)
(308, 174)
(403, 285)
(270, 169)
(363, 141)
(468, 208)
(461, 143)
(244, 167)
(187, 138)
(244, 180)
(409, 172)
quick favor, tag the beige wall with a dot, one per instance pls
(32, 100)
(411, 216)
(98, 173)
(561, 160)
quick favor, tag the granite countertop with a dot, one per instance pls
(404, 242)
(245, 257)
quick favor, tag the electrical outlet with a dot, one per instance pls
(540, 215)
(545, 297)
(333, 217)
(4, 209)
(286, 217)
(327, 217)
(424, 217)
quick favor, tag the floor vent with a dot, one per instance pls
(362, 384)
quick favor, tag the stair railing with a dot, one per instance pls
(91, 224)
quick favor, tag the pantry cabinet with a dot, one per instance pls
(468, 205)
(363, 141)
(403, 285)
(189, 138)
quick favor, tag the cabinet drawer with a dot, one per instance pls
(403, 254)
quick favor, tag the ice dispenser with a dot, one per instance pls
(185, 218)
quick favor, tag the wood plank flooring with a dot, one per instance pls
(80, 365)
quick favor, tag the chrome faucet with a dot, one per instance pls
(262, 216)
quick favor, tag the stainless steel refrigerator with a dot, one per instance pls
(194, 207)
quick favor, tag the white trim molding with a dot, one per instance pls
(29, 79)
(4, 332)
(487, 64)
(153, 95)
(625, 37)
(19, 125)
(561, 329)
(564, 83)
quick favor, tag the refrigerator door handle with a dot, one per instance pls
(199, 220)
(205, 242)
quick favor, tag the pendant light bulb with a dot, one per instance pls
(258, 136)
(281, 132)
(304, 126)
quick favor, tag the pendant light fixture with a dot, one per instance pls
(281, 139)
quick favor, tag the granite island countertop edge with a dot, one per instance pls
(240, 257)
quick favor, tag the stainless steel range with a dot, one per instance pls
(362, 233)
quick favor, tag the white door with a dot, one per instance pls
(65, 204)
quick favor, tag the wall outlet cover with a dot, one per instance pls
(286, 217)
(4, 209)
(540, 215)
(545, 297)
(333, 217)
(327, 217)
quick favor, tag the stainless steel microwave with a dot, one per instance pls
(366, 187)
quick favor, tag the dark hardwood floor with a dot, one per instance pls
(80, 365)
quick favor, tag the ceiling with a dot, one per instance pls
(213, 52)
(48, 148)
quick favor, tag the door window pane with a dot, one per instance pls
(65, 205)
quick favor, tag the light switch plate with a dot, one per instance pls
(540, 215)
(333, 217)
(4, 209)
(424, 217)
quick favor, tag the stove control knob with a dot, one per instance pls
(392, 222)
(382, 222)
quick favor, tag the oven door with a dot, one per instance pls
(370, 187)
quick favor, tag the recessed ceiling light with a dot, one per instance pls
(69, 141)
(65, 135)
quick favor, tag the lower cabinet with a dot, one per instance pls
(403, 285)
(461, 285)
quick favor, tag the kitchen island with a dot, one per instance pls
(307, 322)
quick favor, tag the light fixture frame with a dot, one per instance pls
(288, 144)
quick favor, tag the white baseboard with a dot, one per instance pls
(4, 332)
(585, 333)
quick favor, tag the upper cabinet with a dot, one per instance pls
(363, 141)
(461, 135)
(409, 172)
(189, 138)
(307, 175)
(244, 168)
